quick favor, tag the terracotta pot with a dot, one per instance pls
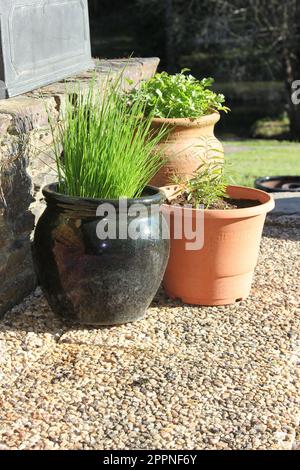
(188, 143)
(221, 272)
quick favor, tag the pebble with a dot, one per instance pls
(185, 377)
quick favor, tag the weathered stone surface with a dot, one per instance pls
(5, 122)
(34, 110)
(19, 284)
(16, 271)
(41, 168)
(26, 165)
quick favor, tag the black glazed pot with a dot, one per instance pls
(99, 281)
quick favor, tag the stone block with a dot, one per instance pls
(5, 122)
(34, 112)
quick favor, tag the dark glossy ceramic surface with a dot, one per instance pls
(94, 281)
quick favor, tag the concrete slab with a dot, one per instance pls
(286, 204)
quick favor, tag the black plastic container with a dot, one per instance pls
(96, 281)
(278, 184)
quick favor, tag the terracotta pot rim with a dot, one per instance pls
(201, 121)
(266, 199)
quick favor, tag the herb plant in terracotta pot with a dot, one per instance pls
(217, 267)
(92, 269)
(190, 110)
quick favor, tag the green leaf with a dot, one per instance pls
(179, 95)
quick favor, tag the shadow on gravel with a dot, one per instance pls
(34, 315)
(284, 221)
(282, 228)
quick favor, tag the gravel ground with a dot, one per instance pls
(184, 377)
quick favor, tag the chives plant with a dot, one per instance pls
(103, 147)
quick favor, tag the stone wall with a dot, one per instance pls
(26, 165)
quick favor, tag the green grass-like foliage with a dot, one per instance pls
(249, 159)
(179, 96)
(103, 148)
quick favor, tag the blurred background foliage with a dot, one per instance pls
(250, 47)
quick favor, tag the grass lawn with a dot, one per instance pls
(248, 159)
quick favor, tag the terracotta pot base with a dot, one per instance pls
(235, 284)
(206, 302)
